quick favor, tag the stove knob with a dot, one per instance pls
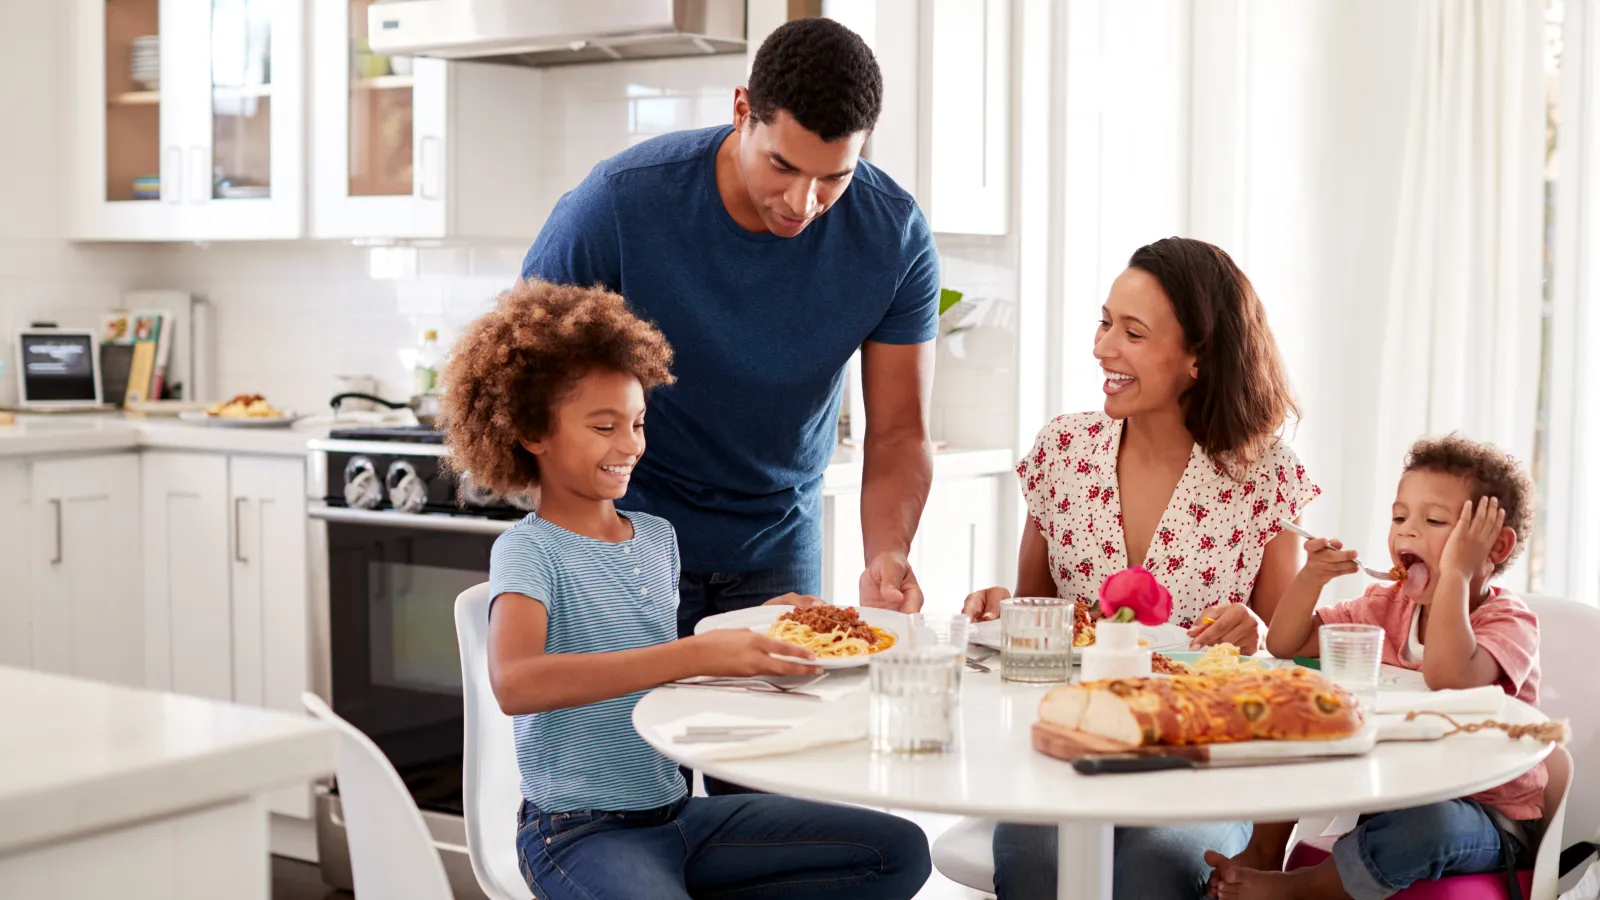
(471, 494)
(362, 489)
(407, 491)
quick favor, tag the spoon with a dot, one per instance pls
(1374, 573)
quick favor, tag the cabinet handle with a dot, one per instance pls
(60, 551)
(428, 184)
(172, 179)
(199, 169)
(238, 527)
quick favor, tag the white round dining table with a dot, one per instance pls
(994, 773)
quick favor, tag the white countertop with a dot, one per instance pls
(79, 756)
(46, 435)
(844, 470)
(43, 435)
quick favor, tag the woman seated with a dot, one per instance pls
(1184, 473)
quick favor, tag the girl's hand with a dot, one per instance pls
(1327, 560)
(798, 601)
(1230, 623)
(1474, 536)
(741, 653)
(984, 605)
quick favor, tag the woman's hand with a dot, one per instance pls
(741, 653)
(1229, 623)
(984, 605)
(799, 601)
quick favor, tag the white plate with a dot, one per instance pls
(760, 618)
(201, 418)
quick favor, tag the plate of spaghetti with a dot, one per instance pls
(841, 636)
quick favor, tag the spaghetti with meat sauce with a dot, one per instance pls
(831, 632)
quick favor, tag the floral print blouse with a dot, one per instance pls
(1209, 544)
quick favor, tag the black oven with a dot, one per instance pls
(404, 536)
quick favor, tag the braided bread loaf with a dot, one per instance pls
(1275, 704)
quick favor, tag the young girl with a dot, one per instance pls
(548, 391)
(1460, 515)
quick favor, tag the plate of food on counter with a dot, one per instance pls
(842, 637)
(241, 411)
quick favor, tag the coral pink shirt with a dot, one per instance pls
(1504, 627)
(1208, 546)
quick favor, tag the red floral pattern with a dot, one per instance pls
(1207, 548)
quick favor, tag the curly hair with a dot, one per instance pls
(1242, 396)
(822, 73)
(1492, 473)
(515, 363)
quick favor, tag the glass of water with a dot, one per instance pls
(933, 630)
(1351, 657)
(1036, 639)
(914, 694)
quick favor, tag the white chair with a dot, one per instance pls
(965, 854)
(391, 853)
(491, 785)
(1569, 687)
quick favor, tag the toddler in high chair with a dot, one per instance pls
(1461, 514)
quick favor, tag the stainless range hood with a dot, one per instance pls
(556, 32)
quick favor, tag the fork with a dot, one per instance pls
(1371, 572)
(760, 685)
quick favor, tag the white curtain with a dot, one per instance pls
(1572, 505)
(1459, 350)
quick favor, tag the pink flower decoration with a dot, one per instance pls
(1135, 594)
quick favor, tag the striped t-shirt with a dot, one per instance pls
(599, 597)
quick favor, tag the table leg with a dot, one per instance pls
(1083, 862)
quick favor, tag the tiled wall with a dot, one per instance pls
(291, 318)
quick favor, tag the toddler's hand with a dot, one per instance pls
(1473, 537)
(1326, 560)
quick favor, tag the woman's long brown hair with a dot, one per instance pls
(1243, 396)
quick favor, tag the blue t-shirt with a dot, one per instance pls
(762, 328)
(599, 597)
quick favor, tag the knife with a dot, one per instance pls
(1124, 763)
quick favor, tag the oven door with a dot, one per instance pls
(394, 664)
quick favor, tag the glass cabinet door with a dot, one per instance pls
(240, 167)
(133, 101)
(381, 114)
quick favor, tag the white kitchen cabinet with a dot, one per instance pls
(188, 611)
(413, 148)
(271, 624)
(16, 629)
(945, 130)
(956, 550)
(212, 147)
(85, 555)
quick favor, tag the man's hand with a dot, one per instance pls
(889, 583)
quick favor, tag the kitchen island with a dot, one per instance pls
(109, 791)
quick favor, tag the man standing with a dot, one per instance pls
(768, 252)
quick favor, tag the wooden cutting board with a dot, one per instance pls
(1068, 744)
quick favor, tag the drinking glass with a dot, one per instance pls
(913, 697)
(1351, 657)
(1036, 639)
